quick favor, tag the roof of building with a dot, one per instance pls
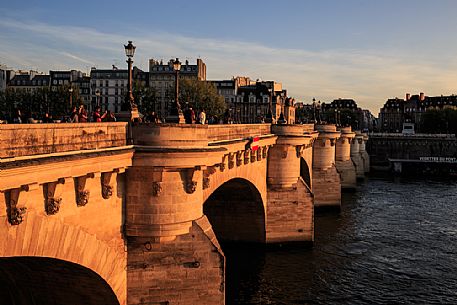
(415, 102)
(341, 103)
(24, 80)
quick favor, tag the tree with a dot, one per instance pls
(35, 103)
(439, 121)
(201, 94)
(145, 97)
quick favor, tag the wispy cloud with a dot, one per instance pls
(78, 58)
(368, 76)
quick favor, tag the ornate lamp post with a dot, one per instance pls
(129, 110)
(337, 117)
(97, 99)
(269, 116)
(175, 115)
(70, 90)
(314, 111)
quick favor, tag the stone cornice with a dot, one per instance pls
(6, 163)
(41, 171)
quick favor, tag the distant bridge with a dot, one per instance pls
(386, 149)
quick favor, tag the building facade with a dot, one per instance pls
(411, 109)
(82, 85)
(108, 88)
(347, 112)
(28, 81)
(3, 74)
(254, 101)
(64, 78)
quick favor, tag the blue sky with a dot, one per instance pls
(366, 50)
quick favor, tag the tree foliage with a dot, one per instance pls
(439, 121)
(145, 97)
(201, 94)
(36, 103)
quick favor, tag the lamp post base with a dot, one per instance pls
(176, 118)
(128, 116)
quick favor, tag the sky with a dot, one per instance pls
(361, 49)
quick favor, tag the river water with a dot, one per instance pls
(394, 242)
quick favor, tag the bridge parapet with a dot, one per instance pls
(237, 131)
(194, 135)
(33, 139)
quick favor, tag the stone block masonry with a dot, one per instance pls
(188, 270)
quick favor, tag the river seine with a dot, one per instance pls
(394, 242)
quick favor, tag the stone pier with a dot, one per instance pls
(364, 153)
(326, 179)
(356, 156)
(344, 164)
(172, 252)
(191, 187)
(290, 209)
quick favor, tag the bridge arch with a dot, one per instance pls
(44, 280)
(44, 236)
(236, 212)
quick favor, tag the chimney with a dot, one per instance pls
(408, 96)
(422, 96)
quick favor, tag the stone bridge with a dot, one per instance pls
(135, 214)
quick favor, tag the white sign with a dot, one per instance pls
(439, 159)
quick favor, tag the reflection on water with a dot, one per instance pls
(394, 242)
